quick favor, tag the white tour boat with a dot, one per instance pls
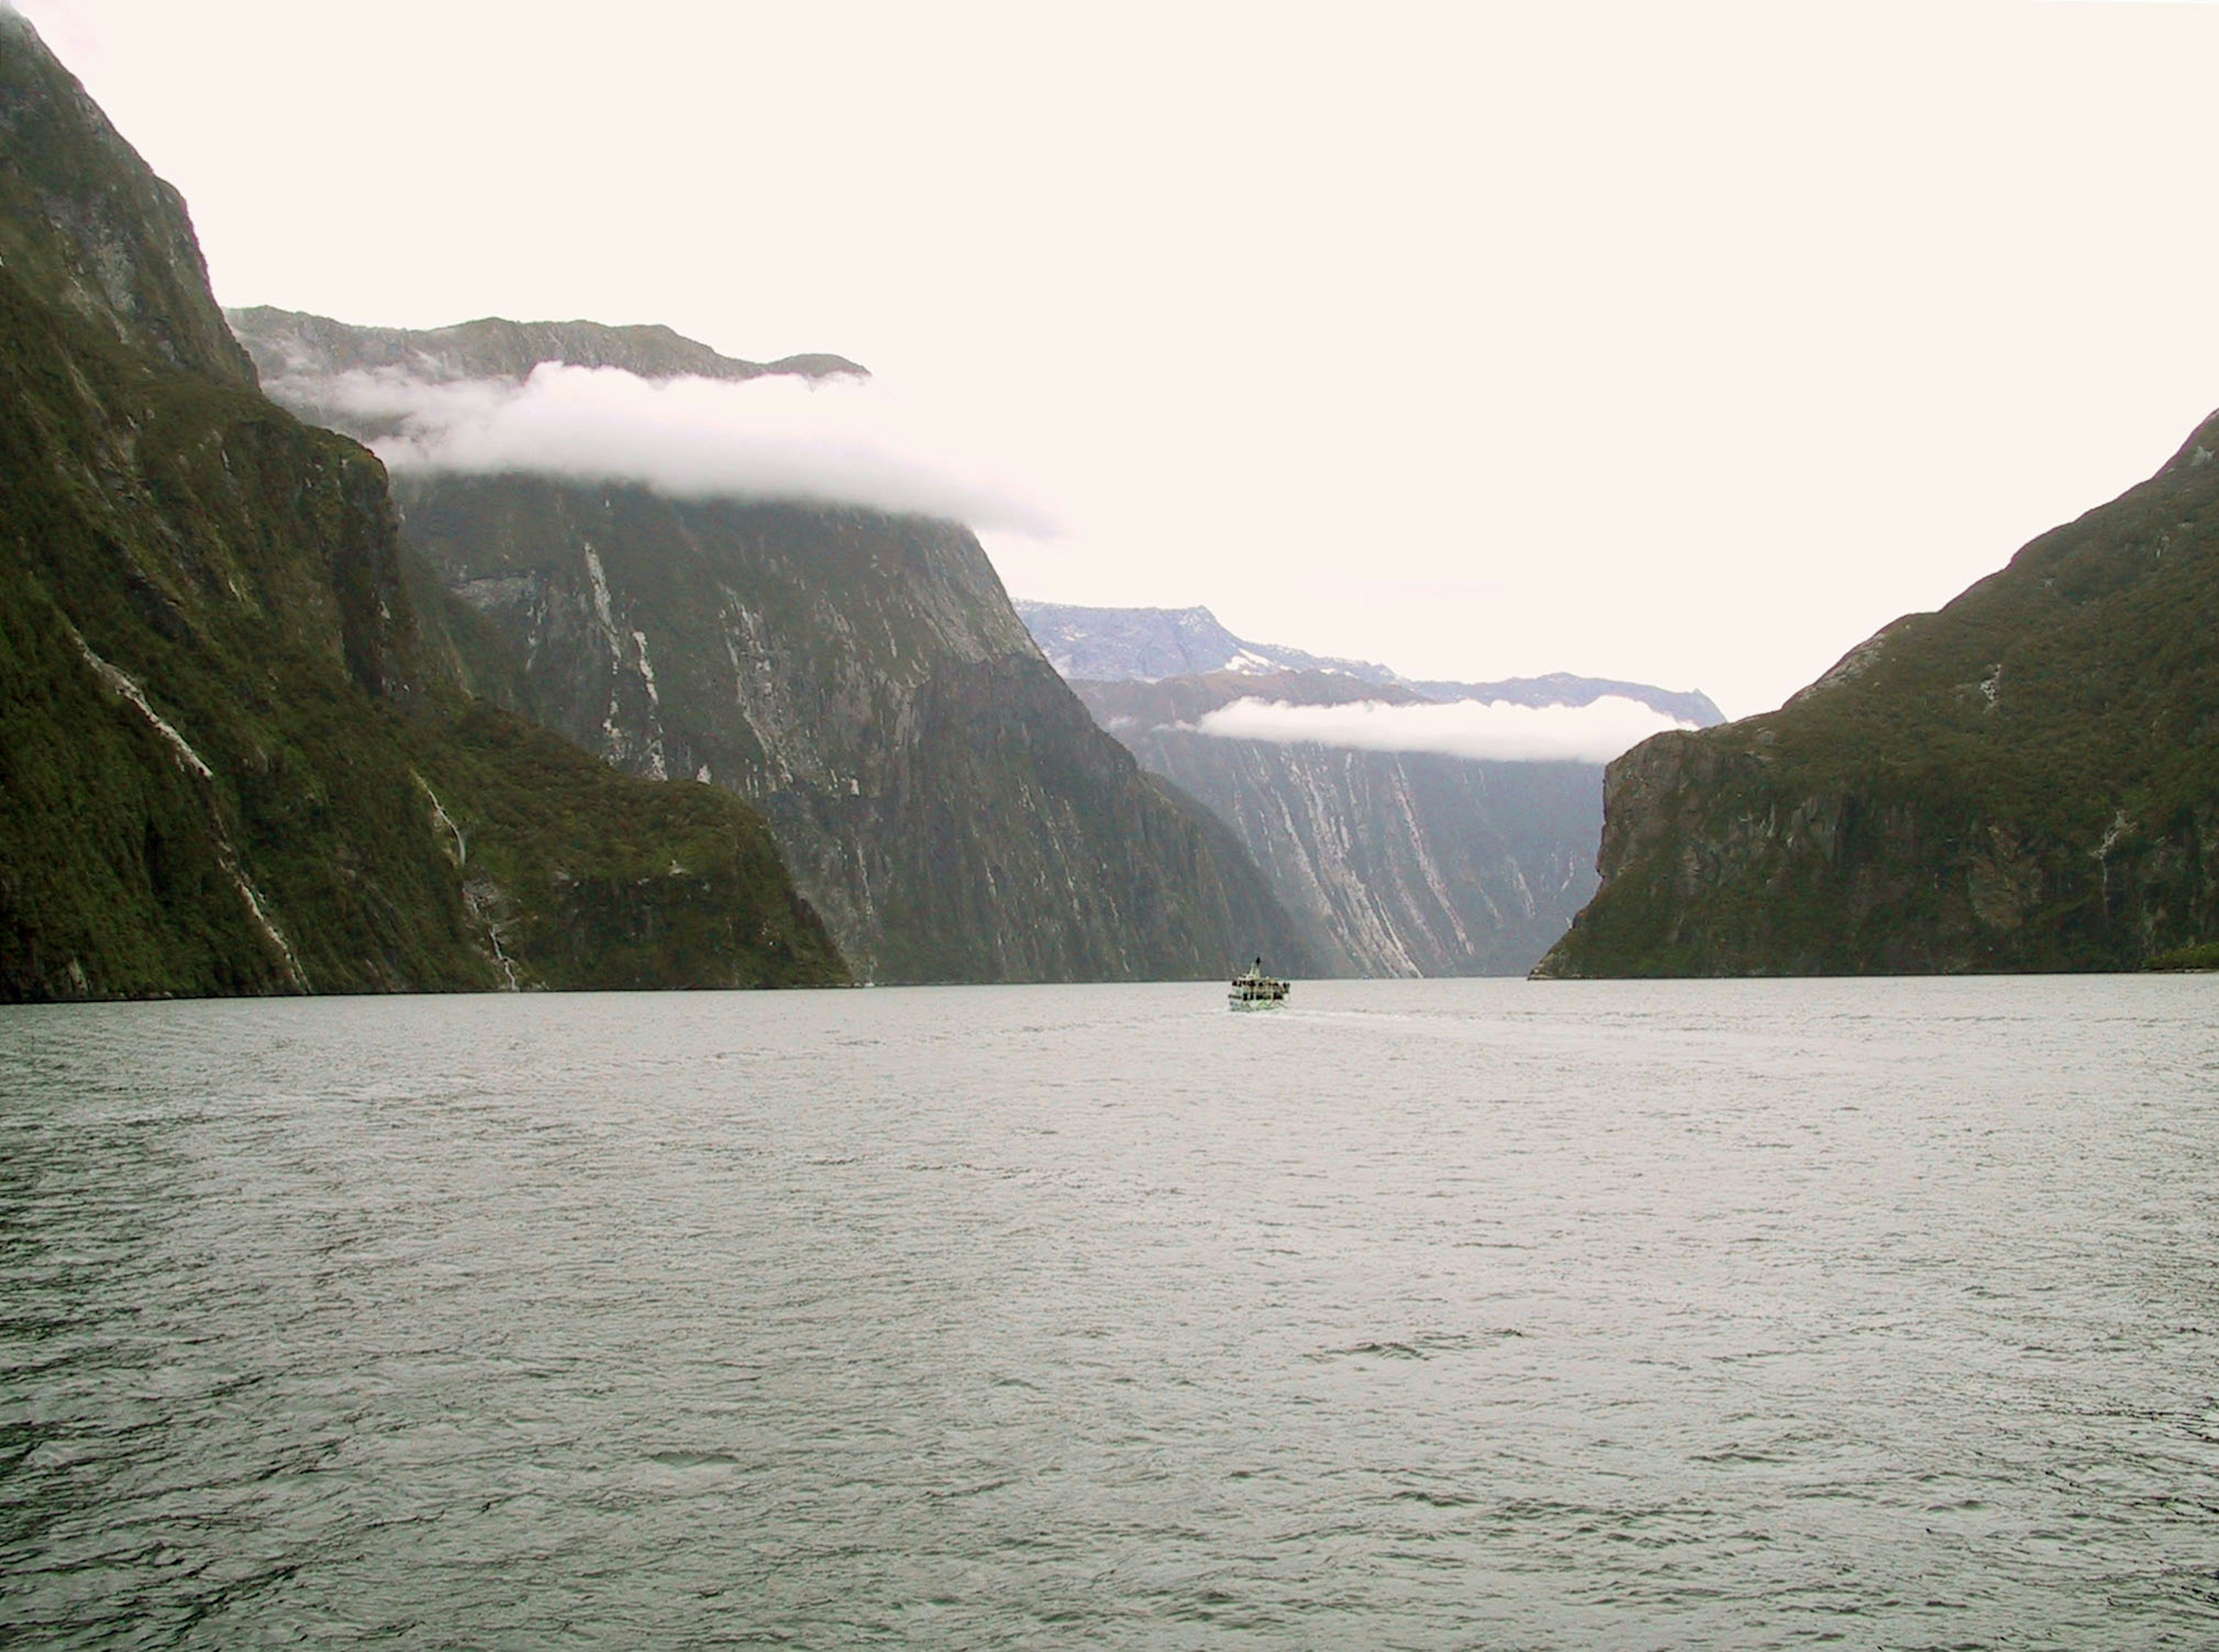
(1253, 989)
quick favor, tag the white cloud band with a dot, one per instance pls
(1496, 729)
(839, 441)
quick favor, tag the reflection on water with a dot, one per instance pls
(1424, 1314)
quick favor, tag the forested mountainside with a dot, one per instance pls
(938, 792)
(1398, 863)
(2027, 780)
(236, 755)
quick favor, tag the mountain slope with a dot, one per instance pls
(1402, 863)
(88, 228)
(231, 758)
(1397, 863)
(860, 677)
(2027, 780)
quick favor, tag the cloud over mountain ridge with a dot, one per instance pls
(839, 441)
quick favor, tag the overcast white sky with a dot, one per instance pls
(1684, 343)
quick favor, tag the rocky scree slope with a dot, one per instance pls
(860, 677)
(235, 754)
(2027, 780)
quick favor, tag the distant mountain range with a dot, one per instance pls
(1399, 863)
(292, 345)
(1150, 645)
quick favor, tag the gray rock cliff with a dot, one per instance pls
(1397, 863)
(942, 799)
(84, 222)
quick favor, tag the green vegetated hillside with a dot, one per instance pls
(860, 677)
(235, 754)
(2028, 779)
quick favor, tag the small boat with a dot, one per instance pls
(1253, 989)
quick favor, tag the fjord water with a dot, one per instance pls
(1416, 1314)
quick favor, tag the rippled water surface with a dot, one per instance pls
(1419, 1314)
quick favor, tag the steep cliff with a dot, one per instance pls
(88, 228)
(1402, 863)
(232, 760)
(2028, 779)
(860, 677)
(1394, 862)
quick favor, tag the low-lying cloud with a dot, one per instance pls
(1496, 729)
(838, 441)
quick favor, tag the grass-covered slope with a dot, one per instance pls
(231, 758)
(2028, 779)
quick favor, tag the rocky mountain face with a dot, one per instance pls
(860, 677)
(1398, 863)
(237, 753)
(89, 230)
(1403, 863)
(2028, 779)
